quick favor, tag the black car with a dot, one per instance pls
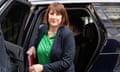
(97, 45)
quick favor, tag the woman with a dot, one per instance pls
(54, 47)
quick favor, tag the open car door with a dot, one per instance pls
(13, 17)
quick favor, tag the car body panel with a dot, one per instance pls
(108, 59)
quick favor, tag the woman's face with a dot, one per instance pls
(54, 18)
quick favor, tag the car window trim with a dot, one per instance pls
(2, 2)
(5, 7)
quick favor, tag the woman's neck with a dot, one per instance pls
(52, 30)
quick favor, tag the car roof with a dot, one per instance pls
(41, 2)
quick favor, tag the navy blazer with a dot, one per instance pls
(63, 50)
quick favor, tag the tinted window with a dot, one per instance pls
(13, 23)
(113, 13)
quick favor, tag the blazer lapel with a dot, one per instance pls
(56, 43)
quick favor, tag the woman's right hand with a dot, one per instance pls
(31, 51)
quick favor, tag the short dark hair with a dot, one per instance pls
(58, 7)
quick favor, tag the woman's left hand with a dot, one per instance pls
(36, 68)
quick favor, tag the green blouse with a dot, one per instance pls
(44, 48)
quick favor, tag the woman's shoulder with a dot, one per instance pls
(42, 25)
(66, 31)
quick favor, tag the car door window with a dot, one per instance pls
(14, 22)
(13, 25)
(113, 13)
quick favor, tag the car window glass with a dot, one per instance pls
(113, 13)
(13, 22)
(13, 25)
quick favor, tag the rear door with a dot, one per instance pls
(13, 20)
